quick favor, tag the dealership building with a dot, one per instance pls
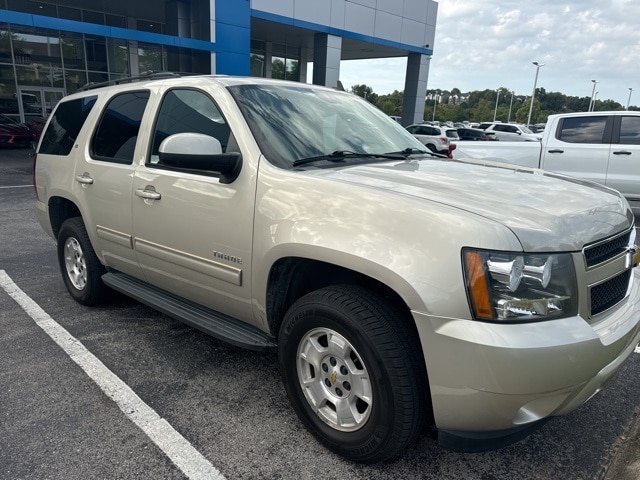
(51, 49)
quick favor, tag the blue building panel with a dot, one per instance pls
(231, 63)
(233, 12)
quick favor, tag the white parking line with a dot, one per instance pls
(17, 186)
(637, 350)
(174, 445)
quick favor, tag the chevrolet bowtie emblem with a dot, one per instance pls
(334, 375)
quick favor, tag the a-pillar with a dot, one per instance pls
(415, 88)
(327, 50)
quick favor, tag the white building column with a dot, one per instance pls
(327, 50)
(415, 88)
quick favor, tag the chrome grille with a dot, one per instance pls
(601, 252)
(609, 293)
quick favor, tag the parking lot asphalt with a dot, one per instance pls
(229, 405)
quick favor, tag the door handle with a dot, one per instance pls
(149, 193)
(622, 152)
(84, 179)
(556, 150)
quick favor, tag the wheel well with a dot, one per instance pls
(292, 278)
(61, 209)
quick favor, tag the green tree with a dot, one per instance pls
(365, 91)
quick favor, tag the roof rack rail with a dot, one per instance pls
(150, 75)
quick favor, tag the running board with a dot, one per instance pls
(209, 321)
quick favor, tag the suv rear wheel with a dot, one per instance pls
(81, 270)
(353, 372)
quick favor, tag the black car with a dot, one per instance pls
(475, 134)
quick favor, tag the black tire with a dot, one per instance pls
(81, 270)
(384, 417)
(432, 147)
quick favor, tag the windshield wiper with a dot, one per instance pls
(416, 151)
(342, 155)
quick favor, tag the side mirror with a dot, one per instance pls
(196, 151)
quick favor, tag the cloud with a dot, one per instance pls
(492, 44)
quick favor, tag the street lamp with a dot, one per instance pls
(592, 94)
(533, 94)
(629, 99)
(435, 99)
(495, 112)
(595, 97)
(510, 105)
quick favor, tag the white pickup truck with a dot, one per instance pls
(597, 146)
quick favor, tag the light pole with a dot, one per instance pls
(533, 94)
(595, 97)
(495, 111)
(629, 99)
(510, 105)
(593, 92)
(435, 99)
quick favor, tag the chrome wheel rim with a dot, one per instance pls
(75, 263)
(334, 380)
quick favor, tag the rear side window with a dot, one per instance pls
(65, 125)
(630, 130)
(583, 130)
(117, 132)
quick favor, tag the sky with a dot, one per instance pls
(491, 44)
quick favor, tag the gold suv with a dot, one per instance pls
(398, 287)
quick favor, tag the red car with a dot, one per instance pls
(14, 134)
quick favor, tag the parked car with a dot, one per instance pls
(512, 132)
(475, 134)
(452, 134)
(14, 133)
(397, 288)
(433, 137)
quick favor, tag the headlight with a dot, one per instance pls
(507, 287)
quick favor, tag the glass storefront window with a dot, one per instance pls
(69, 13)
(98, 77)
(278, 67)
(40, 75)
(74, 80)
(90, 16)
(73, 50)
(96, 51)
(292, 71)
(257, 65)
(8, 102)
(150, 58)
(118, 56)
(36, 47)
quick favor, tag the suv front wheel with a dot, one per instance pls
(81, 270)
(353, 372)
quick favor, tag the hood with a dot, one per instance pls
(547, 212)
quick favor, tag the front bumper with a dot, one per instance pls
(488, 377)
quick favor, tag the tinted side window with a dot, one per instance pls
(583, 130)
(65, 125)
(115, 138)
(630, 130)
(189, 111)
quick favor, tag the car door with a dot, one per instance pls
(623, 172)
(193, 232)
(103, 180)
(579, 147)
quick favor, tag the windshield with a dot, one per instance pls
(296, 122)
(525, 129)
